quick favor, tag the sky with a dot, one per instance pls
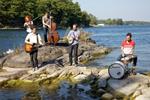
(136, 10)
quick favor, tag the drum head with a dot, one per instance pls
(116, 71)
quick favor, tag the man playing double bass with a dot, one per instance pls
(46, 21)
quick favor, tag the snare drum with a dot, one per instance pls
(117, 70)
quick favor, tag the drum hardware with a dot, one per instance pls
(120, 69)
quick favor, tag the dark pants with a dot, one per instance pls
(34, 60)
(45, 34)
(134, 59)
(73, 50)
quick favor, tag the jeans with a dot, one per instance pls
(73, 50)
(45, 34)
(134, 59)
(33, 57)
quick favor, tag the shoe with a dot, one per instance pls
(76, 65)
(36, 68)
(33, 69)
(70, 64)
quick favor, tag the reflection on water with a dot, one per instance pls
(11, 94)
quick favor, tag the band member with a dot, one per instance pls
(73, 35)
(34, 39)
(127, 49)
(28, 23)
(46, 21)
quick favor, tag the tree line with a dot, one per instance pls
(64, 12)
(110, 21)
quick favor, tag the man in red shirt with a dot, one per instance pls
(127, 49)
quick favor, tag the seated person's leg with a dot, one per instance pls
(134, 60)
(119, 58)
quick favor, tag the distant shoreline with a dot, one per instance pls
(21, 28)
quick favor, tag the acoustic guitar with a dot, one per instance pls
(29, 47)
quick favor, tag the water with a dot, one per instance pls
(11, 39)
(110, 36)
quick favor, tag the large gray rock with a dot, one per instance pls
(107, 96)
(129, 85)
(145, 95)
(46, 54)
(103, 76)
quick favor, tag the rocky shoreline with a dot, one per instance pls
(69, 82)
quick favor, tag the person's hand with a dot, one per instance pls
(123, 55)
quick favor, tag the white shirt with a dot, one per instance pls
(27, 25)
(75, 35)
(31, 38)
(45, 20)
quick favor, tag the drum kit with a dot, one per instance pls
(120, 69)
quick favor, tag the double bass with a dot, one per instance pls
(53, 35)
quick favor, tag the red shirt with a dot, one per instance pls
(128, 46)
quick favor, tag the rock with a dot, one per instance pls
(103, 76)
(2, 79)
(85, 88)
(129, 85)
(80, 77)
(137, 93)
(45, 54)
(2, 61)
(107, 96)
(145, 95)
(101, 91)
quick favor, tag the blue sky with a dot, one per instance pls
(137, 10)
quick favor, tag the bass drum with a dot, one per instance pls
(117, 70)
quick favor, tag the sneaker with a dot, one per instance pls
(76, 65)
(36, 68)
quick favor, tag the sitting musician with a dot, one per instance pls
(74, 36)
(34, 39)
(127, 49)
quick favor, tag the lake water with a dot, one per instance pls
(110, 36)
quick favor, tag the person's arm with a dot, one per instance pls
(133, 48)
(25, 24)
(122, 51)
(44, 23)
(40, 40)
(78, 35)
(27, 39)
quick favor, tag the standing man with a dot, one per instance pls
(74, 43)
(127, 49)
(34, 39)
(46, 25)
